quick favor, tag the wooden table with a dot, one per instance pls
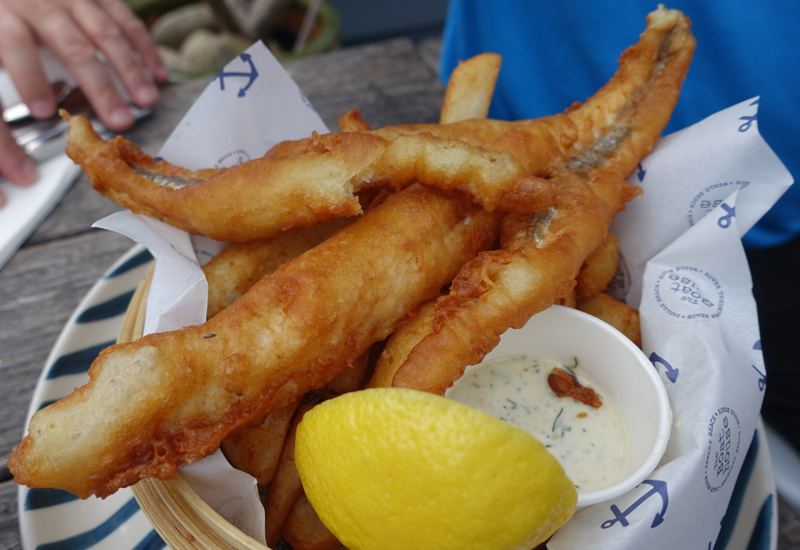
(57, 265)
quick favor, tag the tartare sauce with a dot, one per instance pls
(591, 444)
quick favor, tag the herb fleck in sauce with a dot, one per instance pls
(591, 444)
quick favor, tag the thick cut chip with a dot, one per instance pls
(470, 89)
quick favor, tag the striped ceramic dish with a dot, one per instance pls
(56, 520)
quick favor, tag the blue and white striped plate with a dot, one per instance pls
(56, 520)
(52, 519)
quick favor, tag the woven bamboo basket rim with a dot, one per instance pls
(182, 519)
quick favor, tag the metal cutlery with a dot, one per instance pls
(54, 140)
(43, 138)
(20, 112)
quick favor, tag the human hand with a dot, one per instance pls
(74, 30)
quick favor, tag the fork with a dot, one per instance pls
(54, 140)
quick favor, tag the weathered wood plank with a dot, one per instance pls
(39, 289)
(388, 82)
(9, 518)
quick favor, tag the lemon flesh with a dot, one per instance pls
(392, 469)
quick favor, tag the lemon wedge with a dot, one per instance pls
(398, 469)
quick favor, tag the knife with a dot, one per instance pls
(20, 112)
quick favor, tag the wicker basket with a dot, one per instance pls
(182, 518)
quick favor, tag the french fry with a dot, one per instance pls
(256, 447)
(285, 487)
(400, 344)
(351, 379)
(470, 89)
(237, 268)
(598, 269)
(570, 301)
(305, 531)
(617, 314)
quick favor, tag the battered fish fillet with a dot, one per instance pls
(352, 122)
(236, 269)
(171, 398)
(477, 132)
(298, 183)
(542, 254)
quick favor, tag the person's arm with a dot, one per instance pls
(74, 30)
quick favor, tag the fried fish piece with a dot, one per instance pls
(171, 398)
(542, 254)
(400, 344)
(236, 269)
(352, 122)
(476, 132)
(299, 183)
(598, 269)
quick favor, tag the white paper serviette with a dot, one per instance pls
(28, 206)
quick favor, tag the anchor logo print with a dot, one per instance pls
(748, 119)
(621, 517)
(640, 172)
(725, 221)
(762, 380)
(251, 76)
(669, 371)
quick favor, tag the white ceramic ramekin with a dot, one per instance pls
(615, 364)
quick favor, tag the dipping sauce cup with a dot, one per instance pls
(617, 367)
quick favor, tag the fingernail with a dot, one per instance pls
(29, 171)
(41, 108)
(161, 73)
(147, 94)
(120, 117)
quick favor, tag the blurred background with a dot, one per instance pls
(197, 38)
(367, 21)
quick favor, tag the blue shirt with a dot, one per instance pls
(555, 53)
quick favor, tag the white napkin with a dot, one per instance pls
(28, 206)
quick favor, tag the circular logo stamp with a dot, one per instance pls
(711, 197)
(239, 512)
(724, 437)
(620, 283)
(232, 159)
(689, 293)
